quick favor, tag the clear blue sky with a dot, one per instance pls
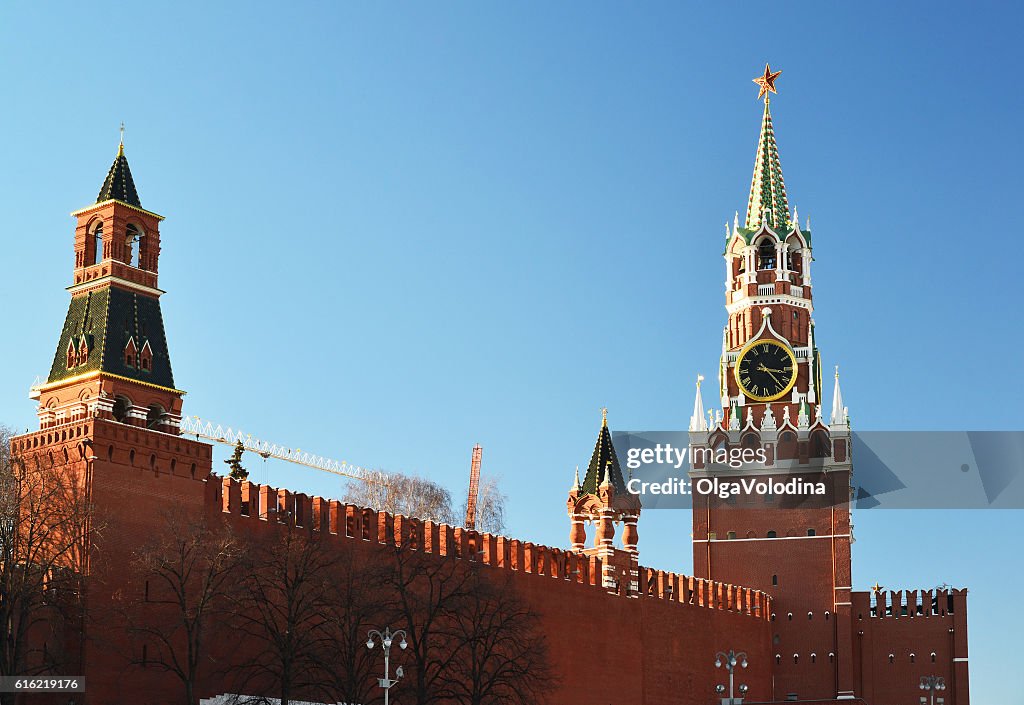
(394, 232)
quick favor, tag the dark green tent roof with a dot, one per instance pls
(602, 460)
(119, 185)
(107, 318)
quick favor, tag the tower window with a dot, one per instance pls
(97, 235)
(775, 580)
(145, 356)
(766, 255)
(811, 532)
(130, 357)
(132, 245)
(730, 535)
(820, 446)
(155, 416)
(122, 405)
(772, 534)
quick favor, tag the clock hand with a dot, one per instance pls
(765, 369)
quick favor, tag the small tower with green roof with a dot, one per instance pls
(603, 500)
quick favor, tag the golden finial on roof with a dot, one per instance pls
(120, 147)
(604, 417)
(766, 83)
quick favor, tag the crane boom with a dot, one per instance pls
(199, 428)
(474, 486)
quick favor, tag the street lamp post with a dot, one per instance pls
(729, 661)
(931, 684)
(386, 640)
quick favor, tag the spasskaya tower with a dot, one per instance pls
(795, 548)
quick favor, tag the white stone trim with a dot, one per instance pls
(751, 301)
(111, 279)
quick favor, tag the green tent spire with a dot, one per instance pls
(767, 189)
(119, 184)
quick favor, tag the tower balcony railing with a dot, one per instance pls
(797, 291)
(765, 289)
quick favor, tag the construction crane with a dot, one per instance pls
(195, 426)
(474, 487)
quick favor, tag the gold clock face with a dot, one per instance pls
(765, 370)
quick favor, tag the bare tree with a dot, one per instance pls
(186, 578)
(490, 506)
(423, 593)
(284, 608)
(355, 609)
(44, 529)
(502, 654)
(472, 640)
(397, 493)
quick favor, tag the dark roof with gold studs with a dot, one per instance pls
(105, 319)
(119, 185)
(603, 460)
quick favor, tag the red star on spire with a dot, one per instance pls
(766, 82)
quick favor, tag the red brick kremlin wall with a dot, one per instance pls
(653, 646)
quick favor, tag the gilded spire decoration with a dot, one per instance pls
(767, 202)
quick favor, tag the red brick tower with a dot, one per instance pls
(602, 500)
(109, 413)
(794, 547)
(112, 360)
